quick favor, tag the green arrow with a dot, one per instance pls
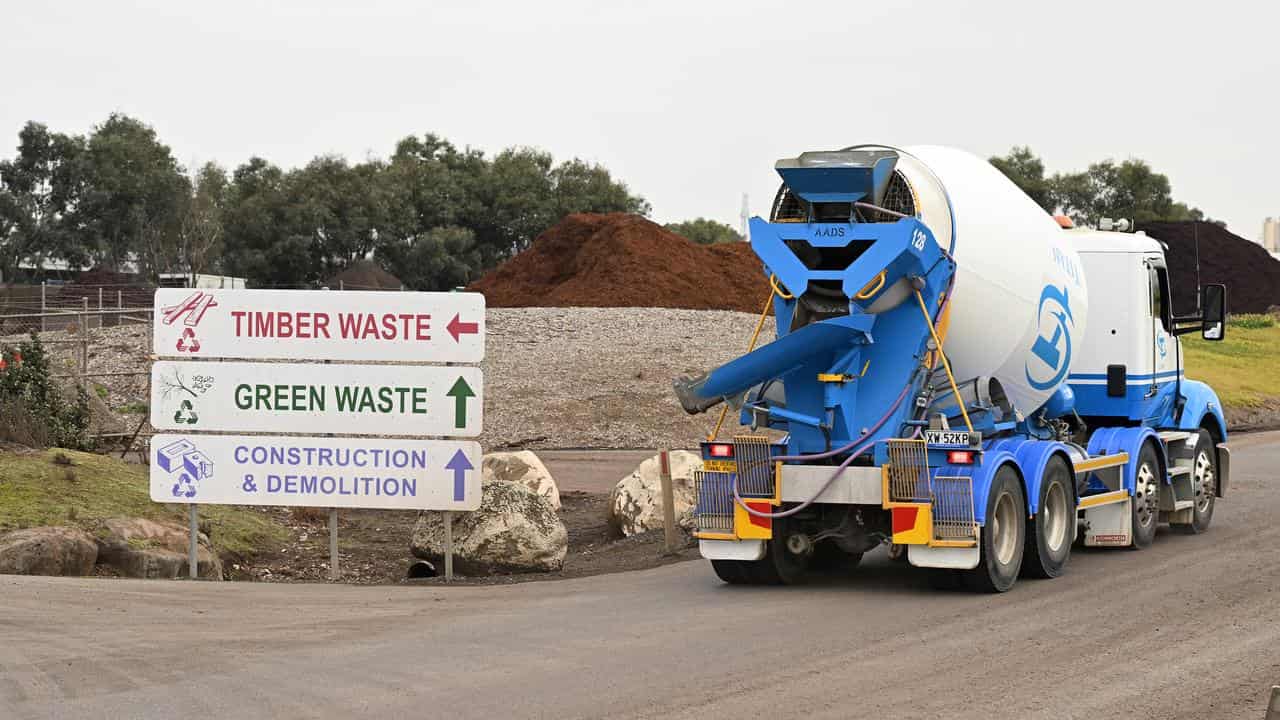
(460, 392)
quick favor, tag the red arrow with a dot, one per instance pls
(456, 327)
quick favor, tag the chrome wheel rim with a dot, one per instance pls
(1146, 495)
(1004, 529)
(1204, 481)
(1055, 517)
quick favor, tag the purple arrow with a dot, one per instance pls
(459, 464)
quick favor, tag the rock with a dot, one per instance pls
(522, 467)
(47, 551)
(635, 505)
(515, 530)
(143, 548)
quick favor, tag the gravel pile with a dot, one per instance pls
(554, 377)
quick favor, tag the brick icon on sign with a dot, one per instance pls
(190, 464)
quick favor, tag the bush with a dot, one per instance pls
(33, 411)
(1251, 321)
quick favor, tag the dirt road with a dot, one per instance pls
(1187, 629)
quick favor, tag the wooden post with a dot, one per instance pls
(668, 503)
(44, 305)
(1273, 707)
(334, 573)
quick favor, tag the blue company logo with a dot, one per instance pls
(181, 458)
(1055, 350)
(1164, 351)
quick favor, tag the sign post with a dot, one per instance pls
(448, 546)
(341, 417)
(193, 542)
(334, 572)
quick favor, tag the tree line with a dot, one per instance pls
(1129, 189)
(433, 214)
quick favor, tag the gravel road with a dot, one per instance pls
(1186, 629)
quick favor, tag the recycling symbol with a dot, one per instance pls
(186, 415)
(188, 342)
(185, 487)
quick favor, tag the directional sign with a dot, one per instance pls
(315, 398)
(320, 472)
(318, 325)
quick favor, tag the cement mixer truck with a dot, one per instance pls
(956, 375)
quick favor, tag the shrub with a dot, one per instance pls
(33, 410)
(1249, 321)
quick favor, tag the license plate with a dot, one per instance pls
(947, 437)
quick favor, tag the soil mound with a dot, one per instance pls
(364, 275)
(1251, 275)
(622, 260)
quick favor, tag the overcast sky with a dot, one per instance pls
(689, 102)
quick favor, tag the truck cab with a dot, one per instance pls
(1129, 369)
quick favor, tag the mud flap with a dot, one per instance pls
(951, 558)
(1109, 525)
(731, 549)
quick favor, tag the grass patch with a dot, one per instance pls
(37, 489)
(134, 408)
(1244, 368)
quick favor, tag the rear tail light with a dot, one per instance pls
(720, 450)
(959, 457)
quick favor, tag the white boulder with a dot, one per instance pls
(515, 530)
(521, 467)
(635, 505)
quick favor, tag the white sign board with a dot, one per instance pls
(313, 471)
(318, 325)
(315, 398)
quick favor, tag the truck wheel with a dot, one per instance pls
(1049, 533)
(779, 566)
(1002, 541)
(1146, 497)
(1204, 479)
(731, 571)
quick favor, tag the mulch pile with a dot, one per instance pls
(364, 275)
(1251, 275)
(622, 260)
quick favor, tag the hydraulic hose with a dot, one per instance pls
(844, 464)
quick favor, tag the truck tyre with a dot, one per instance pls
(1002, 539)
(732, 572)
(1204, 480)
(779, 566)
(1145, 506)
(943, 579)
(1049, 533)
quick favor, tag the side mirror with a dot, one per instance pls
(1213, 308)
